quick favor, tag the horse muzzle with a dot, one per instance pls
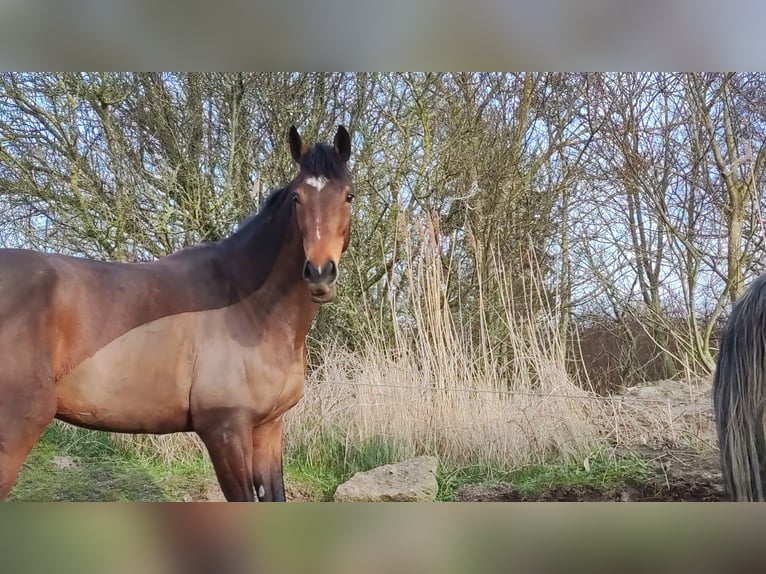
(321, 281)
(322, 292)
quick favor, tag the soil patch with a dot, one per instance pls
(679, 476)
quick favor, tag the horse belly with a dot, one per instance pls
(137, 383)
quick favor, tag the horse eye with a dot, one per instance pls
(296, 198)
(349, 197)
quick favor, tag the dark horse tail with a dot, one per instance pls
(739, 396)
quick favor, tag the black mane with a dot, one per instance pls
(268, 209)
(323, 160)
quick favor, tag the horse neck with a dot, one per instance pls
(285, 292)
(267, 261)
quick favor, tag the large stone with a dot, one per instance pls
(409, 481)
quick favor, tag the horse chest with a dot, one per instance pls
(266, 378)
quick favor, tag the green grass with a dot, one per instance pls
(333, 461)
(102, 472)
(602, 472)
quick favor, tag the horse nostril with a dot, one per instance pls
(325, 274)
(308, 271)
(331, 271)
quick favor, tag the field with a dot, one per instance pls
(71, 464)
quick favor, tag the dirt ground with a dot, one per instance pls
(682, 476)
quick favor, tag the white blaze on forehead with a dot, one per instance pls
(317, 182)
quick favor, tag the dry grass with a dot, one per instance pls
(468, 419)
(464, 419)
(435, 392)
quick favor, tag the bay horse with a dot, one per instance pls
(739, 396)
(210, 339)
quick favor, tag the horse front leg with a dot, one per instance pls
(267, 462)
(27, 406)
(228, 439)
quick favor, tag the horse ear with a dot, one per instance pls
(343, 143)
(297, 147)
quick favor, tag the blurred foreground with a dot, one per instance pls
(218, 539)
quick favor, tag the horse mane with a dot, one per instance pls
(323, 160)
(268, 209)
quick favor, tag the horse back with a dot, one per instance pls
(65, 308)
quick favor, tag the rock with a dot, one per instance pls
(63, 462)
(413, 480)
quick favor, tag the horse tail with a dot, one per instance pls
(739, 396)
